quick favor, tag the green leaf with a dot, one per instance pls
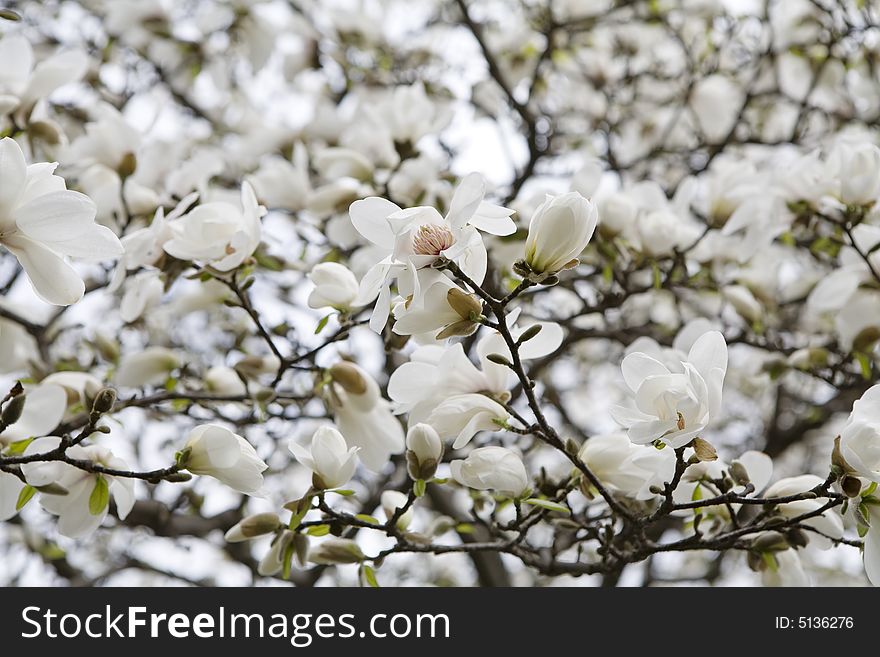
(770, 560)
(363, 517)
(870, 489)
(287, 561)
(18, 446)
(464, 528)
(345, 492)
(24, 497)
(370, 576)
(549, 505)
(318, 530)
(439, 480)
(100, 497)
(419, 487)
(323, 323)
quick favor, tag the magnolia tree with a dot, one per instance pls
(454, 292)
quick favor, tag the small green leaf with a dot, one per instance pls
(464, 528)
(370, 576)
(18, 446)
(24, 497)
(287, 561)
(547, 504)
(318, 530)
(439, 480)
(363, 517)
(419, 486)
(323, 323)
(345, 492)
(100, 497)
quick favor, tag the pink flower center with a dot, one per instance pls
(432, 240)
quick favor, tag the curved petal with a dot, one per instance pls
(13, 173)
(54, 280)
(369, 217)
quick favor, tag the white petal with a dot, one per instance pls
(54, 280)
(370, 218)
(13, 172)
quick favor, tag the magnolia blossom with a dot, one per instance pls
(22, 83)
(674, 406)
(829, 524)
(630, 469)
(391, 501)
(364, 417)
(436, 373)
(224, 381)
(462, 416)
(492, 468)
(331, 460)
(44, 407)
(219, 234)
(424, 451)
(856, 168)
(412, 239)
(217, 452)
(335, 286)
(860, 438)
(559, 231)
(150, 366)
(41, 222)
(83, 508)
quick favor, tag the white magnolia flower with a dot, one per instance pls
(331, 460)
(273, 561)
(41, 222)
(22, 83)
(559, 231)
(281, 184)
(44, 407)
(365, 420)
(860, 438)
(829, 524)
(435, 373)
(462, 416)
(224, 380)
(150, 366)
(492, 468)
(434, 315)
(10, 489)
(424, 442)
(17, 347)
(335, 286)
(217, 452)
(414, 238)
(218, 233)
(253, 526)
(142, 292)
(855, 166)
(392, 500)
(628, 468)
(81, 510)
(788, 571)
(674, 406)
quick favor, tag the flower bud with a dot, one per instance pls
(424, 451)
(851, 486)
(704, 450)
(559, 231)
(468, 306)
(457, 329)
(13, 409)
(253, 526)
(349, 377)
(391, 501)
(330, 459)
(104, 401)
(336, 551)
(127, 165)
